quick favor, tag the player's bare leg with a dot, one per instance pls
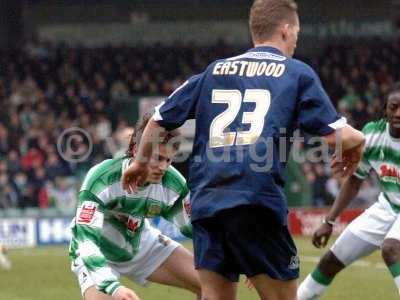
(318, 281)
(178, 270)
(216, 287)
(391, 256)
(272, 289)
(330, 265)
(4, 261)
(347, 249)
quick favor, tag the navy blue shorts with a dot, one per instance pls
(245, 240)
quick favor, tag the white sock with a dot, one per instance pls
(309, 289)
(397, 282)
(395, 271)
(4, 262)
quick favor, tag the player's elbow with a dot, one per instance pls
(352, 185)
(348, 137)
(355, 137)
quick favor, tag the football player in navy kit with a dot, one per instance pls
(241, 105)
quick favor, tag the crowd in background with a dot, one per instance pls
(46, 89)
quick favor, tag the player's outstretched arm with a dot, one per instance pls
(348, 138)
(349, 144)
(135, 175)
(347, 193)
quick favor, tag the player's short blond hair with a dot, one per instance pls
(267, 15)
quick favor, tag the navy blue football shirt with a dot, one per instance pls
(244, 107)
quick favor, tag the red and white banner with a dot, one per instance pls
(304, 221)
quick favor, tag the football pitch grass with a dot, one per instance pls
(44, 274)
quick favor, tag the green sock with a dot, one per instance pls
(395, 271)
(321, 278)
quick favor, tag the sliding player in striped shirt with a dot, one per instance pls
(379, 226)
(111, 234)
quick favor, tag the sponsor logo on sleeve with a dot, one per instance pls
(86, 213)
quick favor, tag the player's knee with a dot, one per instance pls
(210, 292)
(330, 265)
(391, 251)
(287, 294)
(211, 295)
(194, 288)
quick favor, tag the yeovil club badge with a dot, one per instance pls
(153, 210)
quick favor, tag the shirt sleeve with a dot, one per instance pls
(316, 116)
(87, 235)
(180, 105)
(179, 214)
(364, 167)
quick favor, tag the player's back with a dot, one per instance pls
(247, 108)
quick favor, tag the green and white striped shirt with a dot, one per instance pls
(382, 154)
(109, 221)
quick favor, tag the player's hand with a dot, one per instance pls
(321, 235)
(349, 162)
(123, 293)
(248, 284)
(134, 176)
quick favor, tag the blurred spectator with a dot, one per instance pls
(8, 195)
(34, 157)
(4, 142)
(21, 183)
(3, 167)
(368, 194)
(350, 98)
(333, 186)
(54, 167)
(360, 114)
(320, 195)
(103, 128)
(13, 162)
(63, 194)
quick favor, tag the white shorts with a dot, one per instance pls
(377, 223)
(154, 249)
(371, 228)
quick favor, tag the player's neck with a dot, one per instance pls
(272, 44)
(394, 132)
